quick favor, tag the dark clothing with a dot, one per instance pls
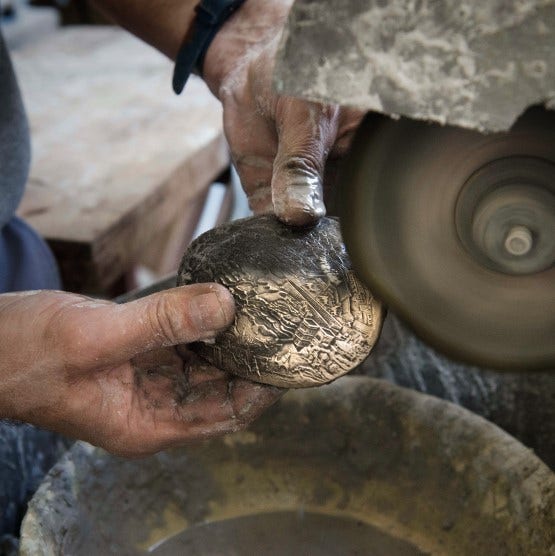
(26, 263)
(15, 149)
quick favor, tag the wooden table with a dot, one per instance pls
(120, 164)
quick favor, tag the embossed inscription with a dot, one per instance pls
(303, 317)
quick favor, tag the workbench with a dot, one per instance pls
(121, 166)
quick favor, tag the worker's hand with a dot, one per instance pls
(108, 373)
(279, 144)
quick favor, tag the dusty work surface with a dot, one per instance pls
(419, 469)
(117, 157)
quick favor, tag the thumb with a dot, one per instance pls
(114, 333)
(306, 134)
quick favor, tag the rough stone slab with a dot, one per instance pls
(473, 64)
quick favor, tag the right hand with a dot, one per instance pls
(280, 145)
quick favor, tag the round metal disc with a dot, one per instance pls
(404, 185)
(302, 316)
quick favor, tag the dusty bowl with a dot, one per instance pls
(356, 465)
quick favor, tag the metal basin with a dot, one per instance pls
(359, 466)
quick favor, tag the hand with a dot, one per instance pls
(108, 374)
(279, 144)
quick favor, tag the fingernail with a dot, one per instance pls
(301, 208)
(302, 203)
(300, 215)
(212, 311)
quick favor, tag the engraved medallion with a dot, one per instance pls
(303, 317)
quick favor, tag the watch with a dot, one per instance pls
(210, 15)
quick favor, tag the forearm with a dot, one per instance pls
(164, 24)
(161, 23)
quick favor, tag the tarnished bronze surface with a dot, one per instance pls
(303, 317)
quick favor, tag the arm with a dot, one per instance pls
(161, 23)
(279, 145)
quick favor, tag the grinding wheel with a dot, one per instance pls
(455, 231)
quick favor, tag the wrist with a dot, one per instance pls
(251, 27)
(159, 23)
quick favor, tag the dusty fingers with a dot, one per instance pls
(223, 405)
(90, 334)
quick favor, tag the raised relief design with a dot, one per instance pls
(303, 317)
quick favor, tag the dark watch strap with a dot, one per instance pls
(210, 16)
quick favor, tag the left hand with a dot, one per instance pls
(280, 145)
(108, 374)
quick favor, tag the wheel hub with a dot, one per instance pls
(506, 215)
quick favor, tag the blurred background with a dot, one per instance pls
(125, 173)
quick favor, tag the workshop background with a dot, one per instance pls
(107, 193)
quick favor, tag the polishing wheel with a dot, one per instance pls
(455, 231)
